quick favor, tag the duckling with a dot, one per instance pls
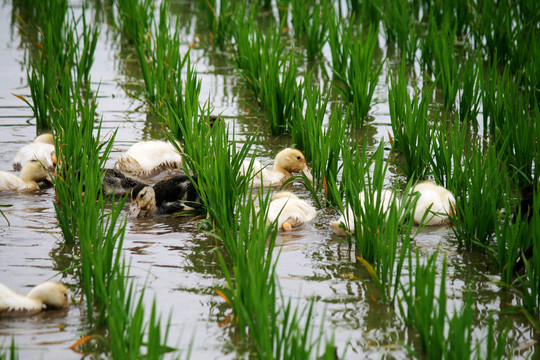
(118, 183)
(290, 211)
(165, 197)
(41, 149)
(343, 225)
(287, 161)
(148, 158)
(51, 294)
(440, 199)
(32, 173)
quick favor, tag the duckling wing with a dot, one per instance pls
(41, 152)
(176, 194)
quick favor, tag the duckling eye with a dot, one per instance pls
(298, 157)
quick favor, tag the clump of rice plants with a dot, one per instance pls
(469, 96)
(321, 145)
(413, 133)
(480, 199)
(312, 21)
(379, 218)
(219, 17)
(446, 64)
(399, 20)
(360, 78)
(340, 40)
(270, 71)
(135, 18)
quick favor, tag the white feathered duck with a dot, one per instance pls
(289, 210)
(149, 158)
(32, 173)
(48, 295)
(41, 149)
(287, 161)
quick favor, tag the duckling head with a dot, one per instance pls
(46, 138)
(34, 171)
(52, 294)
(292, 160)
(143, 201)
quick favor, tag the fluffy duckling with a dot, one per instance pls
(41, 149)
(440, 199)
(32, 173)
(287, 161)
(165, 197)
(345, 225)
(148, 158)
(51, 294)
(118, 183)
(290, 211)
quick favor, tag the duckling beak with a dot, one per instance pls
(286, 226)
(306, 172)
(134, 210)
(54, 160)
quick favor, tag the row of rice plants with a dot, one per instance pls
(82, 155)
(58, 51)
(310, 23)
(10, 353)
(275, 331)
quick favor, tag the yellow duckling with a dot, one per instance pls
(287, 161)
(50, 294)
(290, 211)
(148, 158)
(387, 198)
(32, 173)
(440, 199)
(41, 149)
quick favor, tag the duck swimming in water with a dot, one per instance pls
(148, 158)
(50, 294)
(32, 173)
(165, 197)
(289, 210)
(437, 199)
(287, 161)
(41, 149)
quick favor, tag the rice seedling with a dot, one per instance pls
(379, 219)
(340, 40)
(320, 146)
(129, 329)
(421, 306)
(135, 18)
(361, 76)
(369, 12)
(85, 57)
(219, 16)
(399, 20)
(247, 56)
(469, 96)
(528, 285)
(494, 28)
(509, 237)
(413, 135)
(10, 353)
(449, 148)
(502, 101)
(476, 213)
(312, 21)
(446, 64)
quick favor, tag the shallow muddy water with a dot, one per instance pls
(175, 259)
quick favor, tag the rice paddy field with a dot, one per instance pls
(377, 94)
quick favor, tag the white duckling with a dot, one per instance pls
(345, 225)
(31, 173)
(51, 294)
(41, 149)
(290, 211)
(287, 161)
(148, 158)
(439, 200)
